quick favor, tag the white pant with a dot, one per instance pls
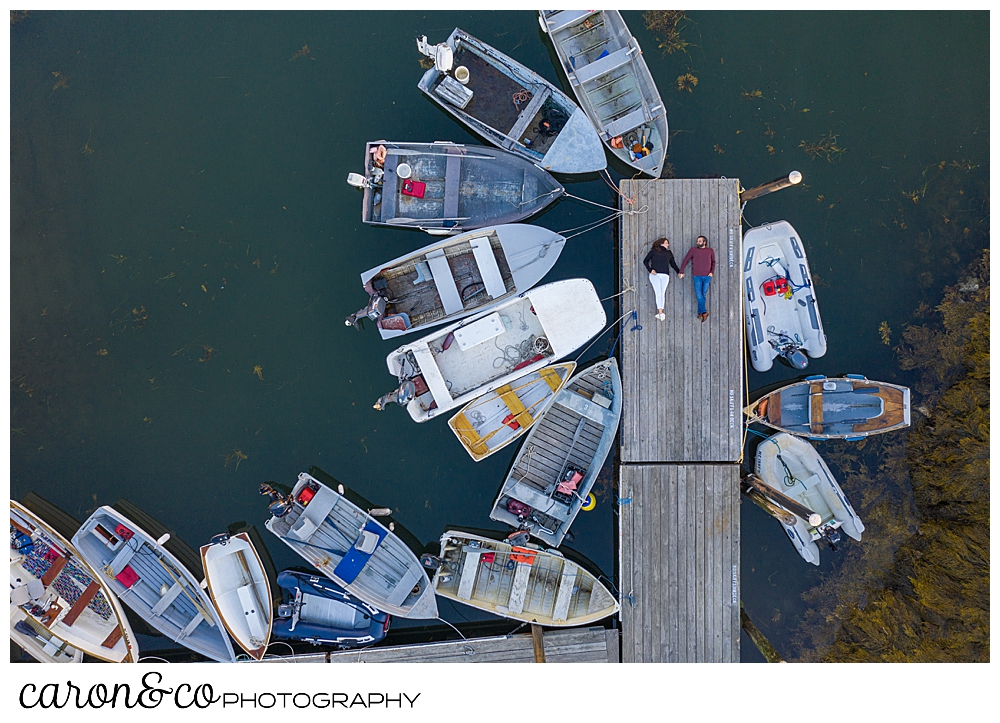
(659, 282)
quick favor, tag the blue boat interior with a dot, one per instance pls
(843, 407)
(351, 565)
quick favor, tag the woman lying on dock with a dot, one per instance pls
(658, 262)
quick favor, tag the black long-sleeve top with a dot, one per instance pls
(660, 260)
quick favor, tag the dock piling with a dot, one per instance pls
(791, 179)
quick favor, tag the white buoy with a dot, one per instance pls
(815, 520)
(163, 539)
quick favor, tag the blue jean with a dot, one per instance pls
(701, 291)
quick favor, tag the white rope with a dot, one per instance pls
(605, 331)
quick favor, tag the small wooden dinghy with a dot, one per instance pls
(318, 611)
(562, 455)
(793, 467)
(153, 583)
(451, 367)
(782, 316)
(613, 85)
(349, 546)
(521, 583)
(60, 608)
(509, 105)
(456, 277)
(238, 586)
(488, 424)
(445, 188)
(850, 408)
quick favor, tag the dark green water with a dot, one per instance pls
(213, 213)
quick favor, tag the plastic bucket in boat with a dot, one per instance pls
(403, 170)
(462, 74)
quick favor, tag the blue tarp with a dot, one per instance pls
(354, 561)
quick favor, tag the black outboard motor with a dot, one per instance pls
(518, 538)
(431, 562)
(795, 357)
(832, 536)
(221, 539)
(374, 310)
(280, 505)
(402, 396)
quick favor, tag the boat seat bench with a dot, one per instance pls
(164, 602)
(482, 249)
(452, 184)
(444, 282)
(470, 569)
(564, 596)
(604, 65)
(565, 18)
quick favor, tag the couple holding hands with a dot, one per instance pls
(660, 259)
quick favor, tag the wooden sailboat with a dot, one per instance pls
(557, 465)
(490, 423)
(461, 362)
(850, 408)
(351, 547)
(456, 277)
(605, 67)
(509, 105)
(153, 583)
(60, 608)
(519, 582)
(447, 188)
(238, 586)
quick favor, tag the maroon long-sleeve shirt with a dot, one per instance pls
(702, 261)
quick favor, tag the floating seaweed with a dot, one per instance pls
(666, 25)
(686, 82)
(826, 146)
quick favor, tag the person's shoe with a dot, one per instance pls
(703, 316)
(661, 316)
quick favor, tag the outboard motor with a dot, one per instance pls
(519, 538)
(832, 536)
(431, 562)
(402, 396)
(280, 505)
(221, 539)
(795, 357)
(374, 310)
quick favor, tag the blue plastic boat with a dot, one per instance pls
(321, 612)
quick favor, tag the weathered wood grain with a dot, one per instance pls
(576, 645)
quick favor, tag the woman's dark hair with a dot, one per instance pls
(658, 242)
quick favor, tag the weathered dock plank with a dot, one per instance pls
(684, 608)
(683, 379)
(573, 645)
(681, 433)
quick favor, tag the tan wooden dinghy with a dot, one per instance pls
(521, 583)
(488, 424)
(237, 584)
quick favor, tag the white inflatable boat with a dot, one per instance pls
(793, 467)
(782, 316)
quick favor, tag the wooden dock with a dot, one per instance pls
(573, 645)
(681, 430)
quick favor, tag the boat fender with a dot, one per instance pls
(591, 503)
(448, 341)
(511, 422)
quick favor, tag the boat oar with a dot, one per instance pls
(407, 152)
(796, 508)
